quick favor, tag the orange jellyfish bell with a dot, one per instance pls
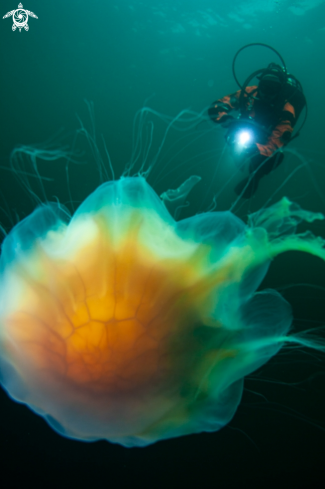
(123, 324)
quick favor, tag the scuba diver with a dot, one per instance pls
(267, 116)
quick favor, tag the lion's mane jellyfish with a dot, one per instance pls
(120, 323)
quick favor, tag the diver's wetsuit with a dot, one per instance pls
(278, 122)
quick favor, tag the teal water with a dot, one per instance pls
(175, 55)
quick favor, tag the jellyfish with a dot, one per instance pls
(119, 322)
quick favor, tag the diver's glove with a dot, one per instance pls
(226, 121)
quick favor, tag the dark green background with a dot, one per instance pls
(117, 53)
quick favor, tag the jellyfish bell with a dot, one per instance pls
(119, 322)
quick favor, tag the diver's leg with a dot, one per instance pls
(258, 168)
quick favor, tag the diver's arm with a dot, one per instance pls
(281, 134)
(220, 109)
